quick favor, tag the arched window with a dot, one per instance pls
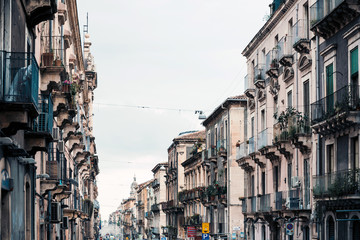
(330, 228)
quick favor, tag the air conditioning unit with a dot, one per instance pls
(55, 134)
(65, 223)
(295, 182)
(61, 146)
(55, 212)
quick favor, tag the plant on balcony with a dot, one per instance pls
(211, 190)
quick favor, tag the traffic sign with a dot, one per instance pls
(205, 236)
(163, 238)
(234, 236)
(205, 228)
(191, 232)
(290, 229)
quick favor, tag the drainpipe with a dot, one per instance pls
(49, 215)
(317, 55)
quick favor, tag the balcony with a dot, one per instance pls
(192, 194)
(171, 206)
(327, 17)
(155, 183)
(272, 62)
(52, 64)
(251, 146)
(259, 76)
(250, 205)
(41, 133)
(221, 147)
(301, 36)
(286, 53)
(337, 111)
(339, 184)
(212, 153)
(263, 139)
(19, 89)
(155, 207)
(249, 91)
(264, 203)
(39, 11)
(279, 201)
(241, 151)
(194, 220)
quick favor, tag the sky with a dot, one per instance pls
(157, 62)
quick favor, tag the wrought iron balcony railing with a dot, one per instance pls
(19, 78)
(251, 145)
(321, 9)
(262, 139)
(52, 51)
(337, 184)
(44, 122)
(242, 150)
(264, 203)
(344, 100)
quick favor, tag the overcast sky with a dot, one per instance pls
(172, 54)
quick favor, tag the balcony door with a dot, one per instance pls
(329, 88)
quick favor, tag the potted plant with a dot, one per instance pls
(47, 59)
(57, 62)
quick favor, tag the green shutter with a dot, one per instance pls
(354, 61)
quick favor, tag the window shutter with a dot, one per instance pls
(354, 61)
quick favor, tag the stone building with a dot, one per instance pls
(47, 144)
(178, 152)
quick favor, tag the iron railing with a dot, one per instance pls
(262, 139)
(246, 82)
(44, 122)
(321, 8)
(264, 203)
(337, 184)
(293, 199)
(221, 145)
(19, 77)
(344, 100)
(251, 145)
(279, 200)
(259, 71)
(242, 150)
(52, 51)
(300, 30)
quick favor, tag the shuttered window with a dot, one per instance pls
(354, 61)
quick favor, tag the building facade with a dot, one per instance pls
(47, 149)
(277, 152)
(178, 152)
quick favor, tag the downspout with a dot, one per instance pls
(317, 55)
(49, 215)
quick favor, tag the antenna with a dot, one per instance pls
(86, 27)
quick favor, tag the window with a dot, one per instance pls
(252, 127)
(355, 152)
(330, 228)
(276, 178)
(289, 98)
(330, 158)
(289, 174)
(306, 99)
(263, 184)
(263, 119)
(329, 87)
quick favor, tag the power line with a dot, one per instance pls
(147, 107)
